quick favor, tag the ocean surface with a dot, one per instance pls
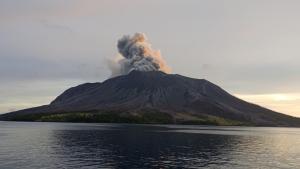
(26, 145)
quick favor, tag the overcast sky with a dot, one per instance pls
(249, 48)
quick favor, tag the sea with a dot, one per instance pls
(43, 145)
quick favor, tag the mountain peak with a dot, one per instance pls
(181, 99)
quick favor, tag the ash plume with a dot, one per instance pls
(135, 53)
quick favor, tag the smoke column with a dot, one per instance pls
(136, 54)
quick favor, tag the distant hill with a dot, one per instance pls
(153, 97)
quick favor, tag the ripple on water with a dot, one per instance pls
(67, 145)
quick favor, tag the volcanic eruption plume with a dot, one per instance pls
(136, 54)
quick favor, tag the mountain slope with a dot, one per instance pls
(151, 95)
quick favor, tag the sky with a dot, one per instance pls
(249, 48)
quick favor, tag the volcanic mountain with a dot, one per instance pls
(153, 97)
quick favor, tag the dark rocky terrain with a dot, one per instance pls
(153, 97)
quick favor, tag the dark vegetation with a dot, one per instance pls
(114, 117)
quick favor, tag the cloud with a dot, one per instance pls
(287, 103)
(136, 54)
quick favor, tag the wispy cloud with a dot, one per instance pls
(287, 103)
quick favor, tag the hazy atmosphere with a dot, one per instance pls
(249, 48)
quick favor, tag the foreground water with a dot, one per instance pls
(69, 145)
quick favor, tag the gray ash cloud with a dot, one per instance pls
(136, 54)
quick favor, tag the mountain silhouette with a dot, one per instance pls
(153, 97)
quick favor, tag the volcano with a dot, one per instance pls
(153, 97)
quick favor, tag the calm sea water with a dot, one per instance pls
(89, 146)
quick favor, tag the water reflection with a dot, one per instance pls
(144, 146)
(61, 145)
